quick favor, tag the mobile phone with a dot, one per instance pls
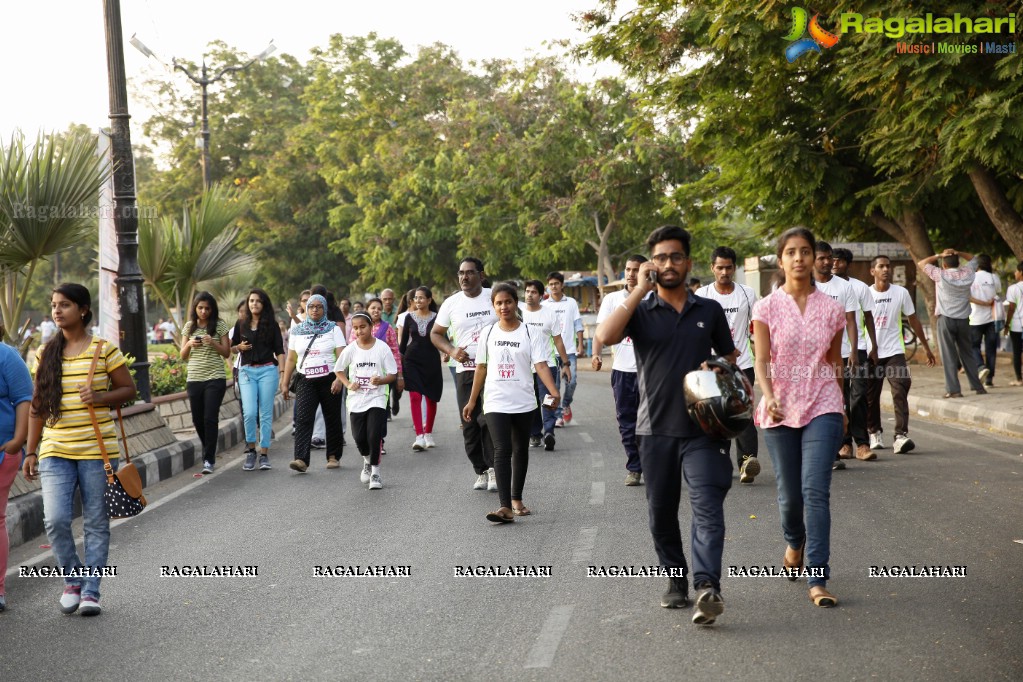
(651, 275)
(548, 400)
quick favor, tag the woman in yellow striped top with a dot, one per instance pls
(61, 431)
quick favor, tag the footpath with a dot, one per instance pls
(1000, 411)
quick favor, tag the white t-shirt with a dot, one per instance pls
(510, 358)
(361, 366)
(567, 311)
(623, 353)
(840, 290)
(47, 330)
(464, 319)
(738, 307)
(889, 308)
(542, 323)
(1015, 295)
(866, 304)
(322, 356)
(400, 321)
(985, 287)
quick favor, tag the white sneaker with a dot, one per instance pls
(491, 480)
(481, 482)
(420, 444)
(364, 476)
(559, 423)
(90, 607)
(375, 483)
(207, 467)
(983, 374)
(428, 439)
(877, 441)
(903, 444)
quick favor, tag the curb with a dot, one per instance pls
(961, 411)
(25, 513)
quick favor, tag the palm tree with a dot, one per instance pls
(48, 198)
(179, 258)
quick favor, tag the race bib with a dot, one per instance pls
(469, 364)
(364, 384)
(317, 371)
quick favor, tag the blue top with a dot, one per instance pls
(668, 346)
(15, 388)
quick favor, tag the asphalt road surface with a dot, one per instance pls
(955, 502)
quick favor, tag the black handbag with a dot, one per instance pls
(296, 376)
(123, 496)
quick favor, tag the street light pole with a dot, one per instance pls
(203, 82)
(126, 219)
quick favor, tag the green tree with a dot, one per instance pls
(177, 259)
(47, 195)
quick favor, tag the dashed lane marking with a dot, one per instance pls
(597, 491)
(584, 545)
(549, 639)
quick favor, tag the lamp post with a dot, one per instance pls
(203, 81)
(126, 218)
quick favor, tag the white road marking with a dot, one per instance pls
(549, 638)
(584, 546)
(597, 491)
(597, 459)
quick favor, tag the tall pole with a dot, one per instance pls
(126, 220)
(206, 182)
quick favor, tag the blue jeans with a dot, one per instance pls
(802, 460)
(258, 386)
(625, 387)
(60, 477)
(569, 392)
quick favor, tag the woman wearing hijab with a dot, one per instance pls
(313, 349)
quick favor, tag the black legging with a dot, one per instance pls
(368, 430)
(510, 433)
(1017, 351)
(310, 394)
(205, 398)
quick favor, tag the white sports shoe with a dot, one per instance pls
(364, 476)
(428, 438)
(877, 441)
(491, 480)
(903, 444)
(375, 483)
(481, 482)
(420, 444)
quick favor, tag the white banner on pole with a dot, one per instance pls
(109, 309)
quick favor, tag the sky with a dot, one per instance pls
(54, 53)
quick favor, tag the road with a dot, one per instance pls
(955, 502)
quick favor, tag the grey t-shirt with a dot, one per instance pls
(953, 290)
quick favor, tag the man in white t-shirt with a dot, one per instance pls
(984, 293)
(624, 383)
(840, 290)
(467, 313)
(866, 356)
(891, 303)
(567, 310)
(1014, 323)
(47, 330)
(737, 301)
(543, 323)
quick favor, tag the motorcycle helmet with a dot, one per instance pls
(720, 402)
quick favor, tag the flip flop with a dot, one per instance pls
(521, 511)
(823, 599)
(502, 515)
(953, 395)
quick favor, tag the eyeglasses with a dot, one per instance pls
(467, 273)
(314, 306)
(677, 258)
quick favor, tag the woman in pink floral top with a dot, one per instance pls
(797, 332)
(383, 330)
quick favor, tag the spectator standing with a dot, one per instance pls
(1014, 323)
(984, 294)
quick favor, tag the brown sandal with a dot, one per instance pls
(798, 565)
(502, 515)
(822, 598)
(521, 511)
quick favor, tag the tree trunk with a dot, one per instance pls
(603, 256)
(911, 232)
(999, 209)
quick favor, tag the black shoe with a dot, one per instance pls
(677, 596)
(548, 441)
(709, 605)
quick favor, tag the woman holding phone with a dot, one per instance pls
(205, 346)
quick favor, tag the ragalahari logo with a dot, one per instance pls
(808, 35)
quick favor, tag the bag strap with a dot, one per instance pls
(109, 470)
(306, 353)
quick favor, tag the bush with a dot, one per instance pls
(167, 373)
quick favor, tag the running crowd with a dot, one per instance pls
(820, 346)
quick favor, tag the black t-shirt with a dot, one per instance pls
(668, 346)
(261, 352)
